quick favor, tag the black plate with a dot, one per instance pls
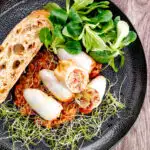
(133, 91)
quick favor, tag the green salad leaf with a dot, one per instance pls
(116, 20)
(58, 16)
(103, 56)
(122, 32)
(93, 42)
(80, 4)
(74, 16)
(51, 6)
(45, 37)
(57, 38)
(73, 30)
(92, 24)
(102, 16)
(109, 37)
(106, 27)
(73, 47)
(52, 39)
(67, 6)
(132, 36)
(88, 9)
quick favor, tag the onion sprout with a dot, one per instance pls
(84, 127)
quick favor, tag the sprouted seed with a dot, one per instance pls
(84, 127)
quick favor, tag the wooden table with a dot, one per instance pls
(138, 11)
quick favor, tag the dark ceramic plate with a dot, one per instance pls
(133, 91)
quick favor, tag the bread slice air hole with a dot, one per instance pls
(16, 64)
(18, 49)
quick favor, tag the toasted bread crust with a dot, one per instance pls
(19, 48)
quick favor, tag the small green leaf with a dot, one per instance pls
(74, 16)
(67, 6)
(80, 4)
(106, 27)
(103, 16)
(122, 33)
(93, 42)
(67, 34)
(73, 47)
(104, 2)
(57, 38)
(116, 20)
(93, 6)
(57, 32)
(58, 16)
(45, 37)
(51, 6)
(102, 56)
(74, 29)
(107, 57)
(130, 38)
(109, 37)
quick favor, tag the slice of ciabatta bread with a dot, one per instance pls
(19, 48)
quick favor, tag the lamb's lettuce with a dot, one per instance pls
(102, 16)
(108, 57)
(129, 39)
(109, 37)
(51, 6)
(103, 56)
(92, 41)
(73, 47)
(106, 27)
(45, 37)
(116, 20)
(67, 6)
(74, 16)
(52, 39)
(88, 9)
(122, 33)
(74, 29)
(92, 24)
(57, 38)
(81, 4)
(58, 16)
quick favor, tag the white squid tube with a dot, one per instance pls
(92, 96)
(82, 60)
(60, 91)
(46, 106)
(99, 84)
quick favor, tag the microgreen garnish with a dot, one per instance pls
(22, 128)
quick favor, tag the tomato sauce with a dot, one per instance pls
(30, 79)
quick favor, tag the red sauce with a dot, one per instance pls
(96, 71)
(43, 60)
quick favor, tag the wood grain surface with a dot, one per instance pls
(138, 11)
